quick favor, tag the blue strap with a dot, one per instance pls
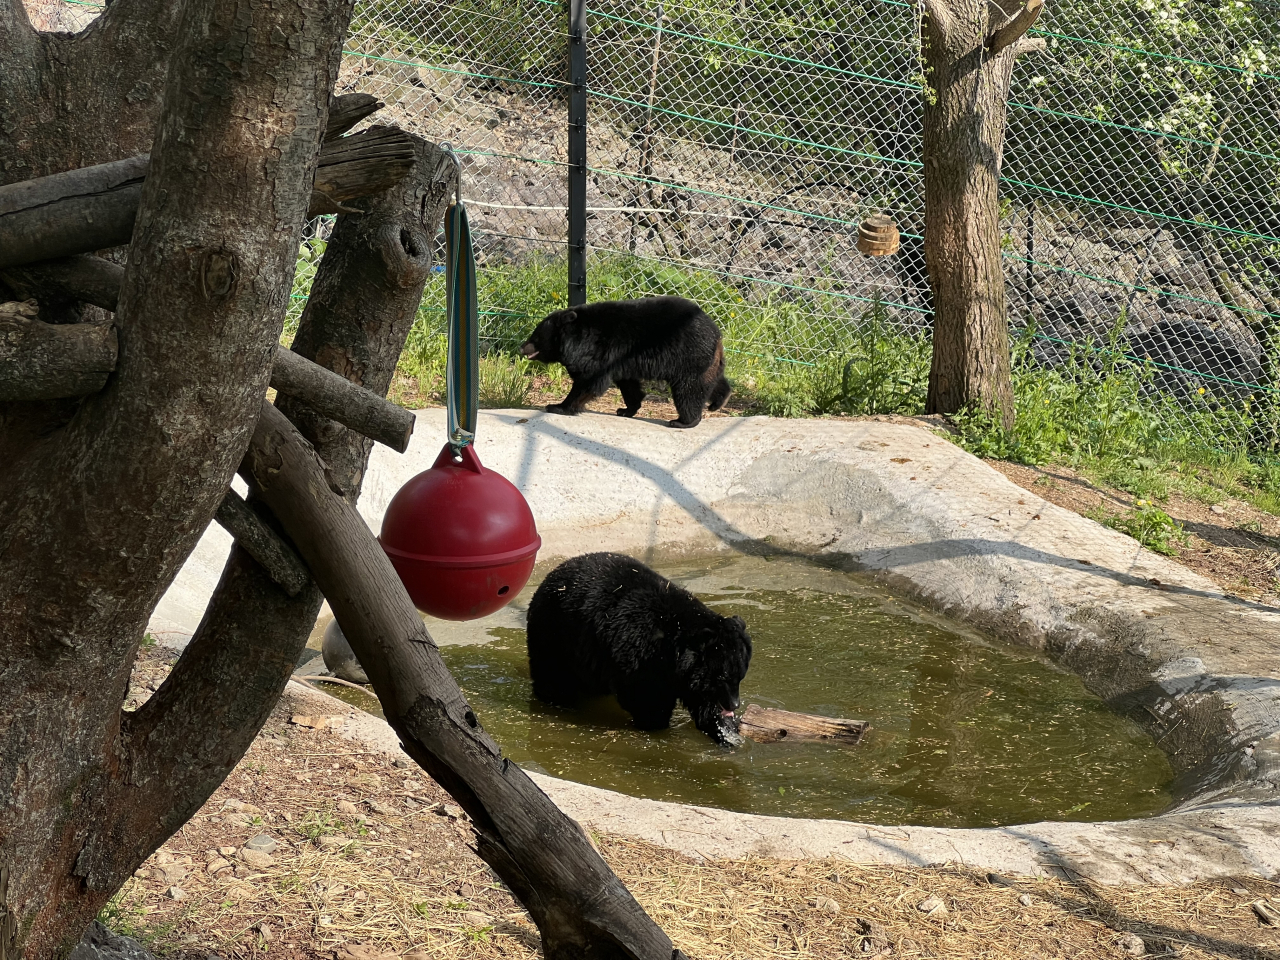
(462, 376)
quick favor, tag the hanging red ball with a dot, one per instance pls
(461, 537)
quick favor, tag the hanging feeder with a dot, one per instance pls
(878, 236)
(462, 538)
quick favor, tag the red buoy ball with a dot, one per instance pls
(461, 537)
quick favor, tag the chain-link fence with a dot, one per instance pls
(734, 147)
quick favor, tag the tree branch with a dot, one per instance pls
(1029, 45)
(580, 906)
(1009, 32)
(337, 398)
(262, 543)
(45, 361)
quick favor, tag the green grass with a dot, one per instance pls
(1096, 412)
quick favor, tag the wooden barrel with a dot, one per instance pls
(878, 236)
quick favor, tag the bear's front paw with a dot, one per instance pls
(681, 425)
(561, 409)
(627, 411)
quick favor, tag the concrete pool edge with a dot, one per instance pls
(1156, 641)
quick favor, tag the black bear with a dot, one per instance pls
(603, 623)
(629, 341)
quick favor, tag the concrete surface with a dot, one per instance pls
(1153, 639)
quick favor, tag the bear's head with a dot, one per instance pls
(710, 666)
(546, 341)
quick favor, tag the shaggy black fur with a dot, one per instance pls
(629, 341)
(604, 623)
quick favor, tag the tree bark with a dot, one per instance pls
(260, 540)
(97, 518)
(43, 361)
(581, 908)
(964, 127)
(83, 278)
(94, 208)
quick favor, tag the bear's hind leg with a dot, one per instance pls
(650, 703)
(632, 395)
(689, 397)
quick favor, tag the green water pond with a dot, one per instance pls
(964, 732)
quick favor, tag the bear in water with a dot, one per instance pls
(603, 623)
(629, 341)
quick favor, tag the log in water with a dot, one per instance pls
(767, 725)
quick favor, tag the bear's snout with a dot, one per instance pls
(529, 350)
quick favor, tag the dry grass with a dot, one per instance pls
(373, 860)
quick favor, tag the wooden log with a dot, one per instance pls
(262, 543)
(94, 208)
(45, 361)
(348, 110)
(359, 165)
(83, 277)
(579, 905)
(767, 725)
(337, 398)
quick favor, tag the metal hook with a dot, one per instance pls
(447, 149)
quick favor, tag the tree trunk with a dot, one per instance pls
(97, 517)
(581, 908)
(969, 48)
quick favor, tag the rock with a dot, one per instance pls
(347, 808)
(873, 943)
(402, 762)
(452, 810)
(169, 874)
(329, 842)
(827, 905)
(262, 843)
(176, 893)
(477, 919)
(339, 657)
(381, 809)
(1025, 900)
(256, 858)
(227, 851)
(1240, 891)
(932, 906)
(99, 943)
(239, 806)
(264, 930)
(996, 880)
(219, 866)
(1131, 944)
(1218, 509)
(241, 891)
(316, 723)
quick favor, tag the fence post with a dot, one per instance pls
(577, 152)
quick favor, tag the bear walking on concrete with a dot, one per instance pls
(629, 341)
(604, 623)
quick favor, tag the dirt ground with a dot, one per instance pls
(1236, 545)
(370, 860)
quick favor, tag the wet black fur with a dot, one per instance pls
(603, 623)
(630, 341)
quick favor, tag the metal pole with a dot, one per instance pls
(577, 152)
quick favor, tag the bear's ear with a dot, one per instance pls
(569, 316)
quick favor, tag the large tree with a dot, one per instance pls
(968, 52)
(107, 488)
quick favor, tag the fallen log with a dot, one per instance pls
(46, 361)
(93, 208)
(767, 725)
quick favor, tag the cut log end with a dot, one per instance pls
(767, 725)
